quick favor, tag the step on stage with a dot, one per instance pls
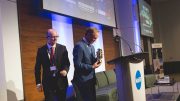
(163, 96)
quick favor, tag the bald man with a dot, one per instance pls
(54, 61)
(85, 63)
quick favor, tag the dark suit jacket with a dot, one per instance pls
(84, 58)
(61, 63)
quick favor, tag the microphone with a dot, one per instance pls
(118, 38)
(127, 42)
(138, 46)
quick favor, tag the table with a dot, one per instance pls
(171, 83)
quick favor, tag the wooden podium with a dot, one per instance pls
(130, 77)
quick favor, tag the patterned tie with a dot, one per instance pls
(52, 56)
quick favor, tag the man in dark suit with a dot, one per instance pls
(85, 64)
(53, 58)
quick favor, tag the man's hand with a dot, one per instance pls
(39, 87)
(63, 73)
(96, 64)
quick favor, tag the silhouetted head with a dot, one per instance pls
(91, 35)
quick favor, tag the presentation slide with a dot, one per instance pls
(146, 23)
(98, 11)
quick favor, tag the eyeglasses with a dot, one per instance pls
(54, 37)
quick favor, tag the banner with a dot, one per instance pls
(157, 59)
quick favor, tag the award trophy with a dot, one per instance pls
(99, 55)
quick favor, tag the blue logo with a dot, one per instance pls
(138, 80)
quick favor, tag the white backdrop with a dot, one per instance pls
(11, 49)
(3, 92)
(63, 26)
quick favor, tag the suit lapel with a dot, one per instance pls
(46, 53)
(86, 48)
(56, 53)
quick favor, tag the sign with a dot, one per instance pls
(138, 80)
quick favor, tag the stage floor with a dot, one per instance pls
(163, 96)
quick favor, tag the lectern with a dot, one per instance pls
(130, 77)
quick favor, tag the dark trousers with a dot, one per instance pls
(87, 91)
(55, 95)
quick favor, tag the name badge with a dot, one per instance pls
(53, 68)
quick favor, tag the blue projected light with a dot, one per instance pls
(134, 2)
(62, 19)
(136, 26)
(137, 37)
(99, 27)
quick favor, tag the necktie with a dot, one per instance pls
(52, 56)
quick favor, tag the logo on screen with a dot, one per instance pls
(138, 80)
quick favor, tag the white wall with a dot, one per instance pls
(3, 92)
(11, 49)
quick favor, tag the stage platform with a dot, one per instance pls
(163, 96)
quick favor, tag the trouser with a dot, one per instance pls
(55, 95)
(87, 91)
